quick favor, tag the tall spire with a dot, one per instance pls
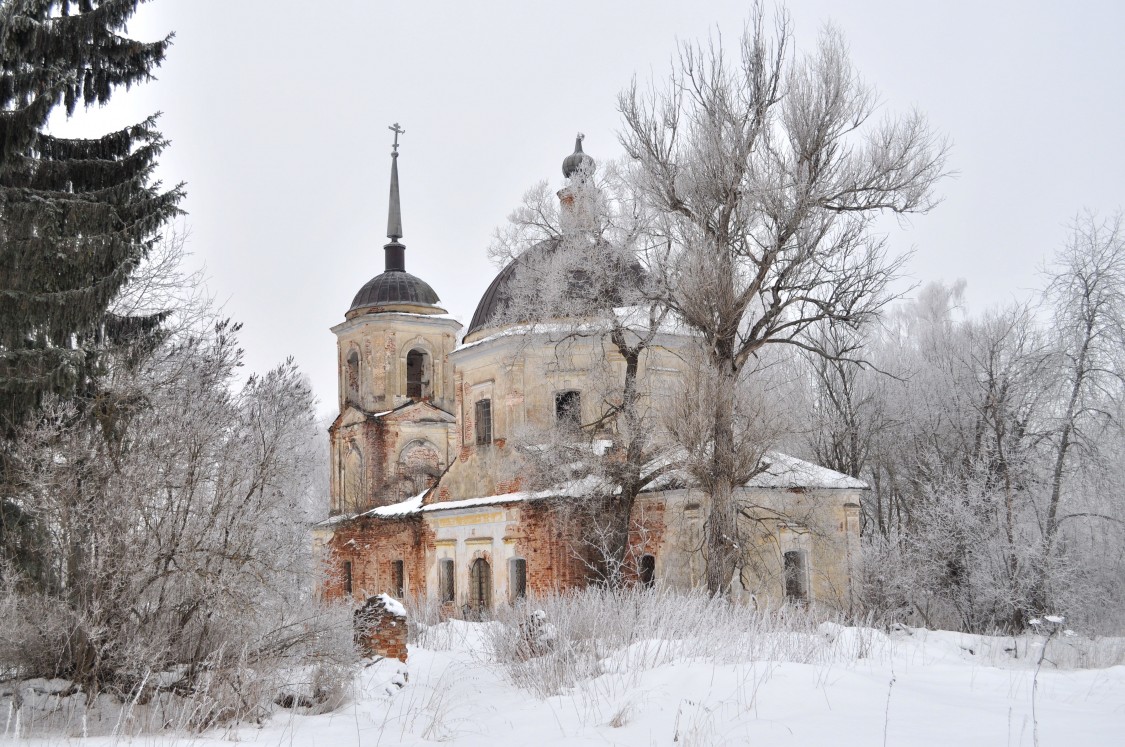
(394, 251)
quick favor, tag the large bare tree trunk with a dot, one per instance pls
(722, 545)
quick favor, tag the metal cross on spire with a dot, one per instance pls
(397, 131)
(394, 212)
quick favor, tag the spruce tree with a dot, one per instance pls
(76, 215)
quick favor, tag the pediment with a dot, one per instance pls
(412, 412)
(419, 411)
(350, 415)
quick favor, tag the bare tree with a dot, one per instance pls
(578, 287)
(764, 173)
(171, 519)
(1087, 295)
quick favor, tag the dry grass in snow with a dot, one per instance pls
(665, 669)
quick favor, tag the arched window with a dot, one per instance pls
(480, 585)
(416, 374)
(646, 571)
(351, 378)
(796, 574)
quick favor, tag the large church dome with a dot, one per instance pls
(603, 290)
(496, 298)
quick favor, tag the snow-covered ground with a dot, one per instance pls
(856, 687)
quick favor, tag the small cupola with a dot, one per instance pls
(578, 165)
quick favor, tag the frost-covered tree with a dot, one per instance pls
(77, 215)
(1087, 297)
(963, 421)
(579, 287)
(171, 545)
(764, 171)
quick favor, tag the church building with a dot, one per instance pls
(424, 497)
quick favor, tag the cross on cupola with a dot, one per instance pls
(397, 131)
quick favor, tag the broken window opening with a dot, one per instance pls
(483, 422)
(796, 576)
(517, 578)
(568, 408)
(646, 571)
(445, 579)
(397, 578)
(480, 585)
(347, 577)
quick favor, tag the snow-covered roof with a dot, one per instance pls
(780, 471)
(633, 317)
(784, 471)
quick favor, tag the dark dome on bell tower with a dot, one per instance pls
(395, 286)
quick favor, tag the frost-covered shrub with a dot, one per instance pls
(165, 554)
(594, 631)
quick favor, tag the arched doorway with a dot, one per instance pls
(480, 585)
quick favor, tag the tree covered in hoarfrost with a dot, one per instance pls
(1086, 295)
(991, 448)
(170, 545)
(951, 513)
(764, 172)
(578, 288)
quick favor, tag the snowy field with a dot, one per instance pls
(825, 684)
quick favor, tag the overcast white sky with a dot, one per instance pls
(278, 112)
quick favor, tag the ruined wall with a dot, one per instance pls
(554, 558)
(522, 377)
(380, 630)
(371, 545)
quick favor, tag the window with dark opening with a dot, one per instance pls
(445, 579)
(397, 578)
(568, 408)
(796, 577)
(480, 585)
(517, 578)
(415, 373)
(647, 571)
(347, 577)
(483, 422)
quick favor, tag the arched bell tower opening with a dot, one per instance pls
(417, 380)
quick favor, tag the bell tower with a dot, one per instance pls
(395, 378)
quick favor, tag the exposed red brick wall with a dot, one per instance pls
(554, 561)
(646, 535)
(380, 632)
(371, 545)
